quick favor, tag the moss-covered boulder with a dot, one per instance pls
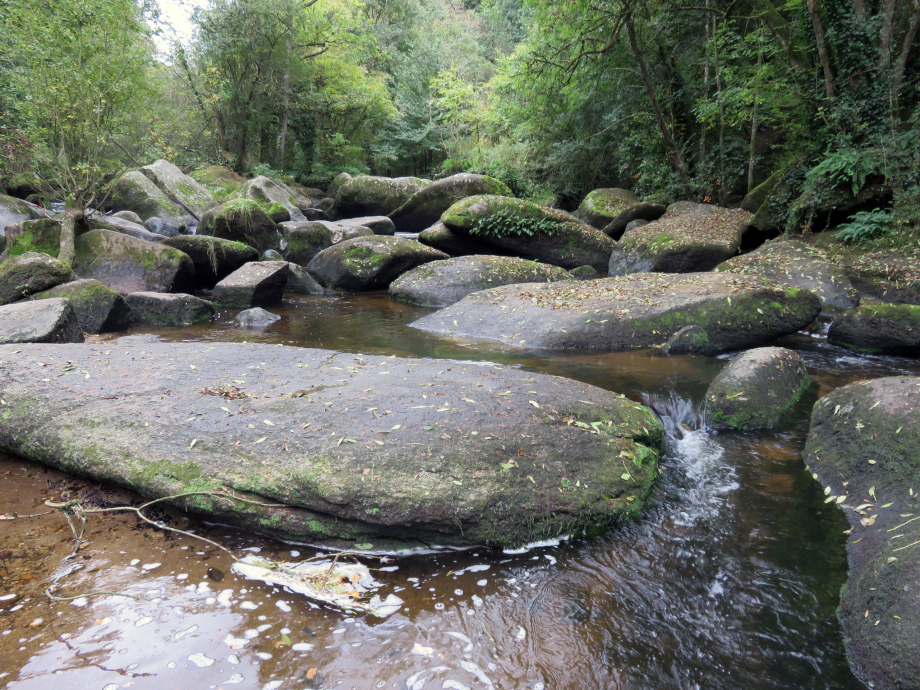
(681, 241)
(635, 311)
(441, 283)
(611, 210)
(634, 216)
(179, 187)
(862, 448)
(440, 473)
(336, 184)
(379, 225)
(452, 242)
(39, 321)
(99, 221)
(304, 240)
(757, 201)
(99, 309)
(29, 273)
(891, 329)
(42, 236)
(888, 276)
(136, 192)
(425, 207)
(214, 258)
(799, 264)
(756, 389)
(127, 264)
(269, 194)
(159, 309)
(369, 263)
(367, 195)
(221, 182)
(258, 283)
(241, 220)
(300, 282)
(585, 273)
(522, 228)
(12, 211)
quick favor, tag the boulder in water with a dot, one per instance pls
(39, 321)
(635, 311)
(367, 195)
(369, 263)
(214, 258)
(99, 309)
(254, 284)
(29, 273)
(255, 318)
(756, 389)
(890, 329)
(159, 309)
(440, 474)
(304, 240)
(241, 220)
(425, 207)
(300, 282)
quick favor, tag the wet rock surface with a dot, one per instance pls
(158, 309)
(425, 207)
(862, 447)
(642, 310)
(255, 318)
(40, 321)
(29, 273)
(756, 389)
(98, 308)
(878, 329)
(257, 283)
(380, 481)
(213, 258)
(442, 283)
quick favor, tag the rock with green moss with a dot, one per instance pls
(271, 195)
(441, 237)
(681, 241)
(136, 192)
(13, 211)
(341, 232)
(129, 216)
(425, 207)
(100, 221)
(799, 264)
(179, 187)
(279, 213)
(689, 340)
(522, 228)
(757, 201)
(635, 311)
(99, 309)
(24, 184)
(367, 195)
(214, 258)
(442, 283)
(756, 389)
(220, 181)
(26, 274)
(585, 273)
(888, 276)
(369, 263)
(862, 448)
(379, 225)
(241, 220)
(255, 284)
(336, 184)
(890, 329)
(271, 255)
(300, 282)
(640, 214)
(127, 264)
(159, 309)
(40, 321)
(463, 491)
(611, 210)
(42, 236)
(304, 240)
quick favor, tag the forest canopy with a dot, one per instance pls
(813, 102)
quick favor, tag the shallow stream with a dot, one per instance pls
(730, 580)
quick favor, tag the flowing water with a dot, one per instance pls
(729, 580)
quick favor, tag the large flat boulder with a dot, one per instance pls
(441, 283)
(159, 309)
(888, 276)
(241, 220)
(136, 192)
(179, 187)
(99, 309)
(369, 263)
(796, 263)
(255, 284)
(636, 311)
(425, 207)
(878, 329)
(29, 273)
(689, 238)
(354, 449)
(214, 258)
(379, 225)
(367, 195)
(522, 228)
(40, 321)
(862, 448)
(127, 264)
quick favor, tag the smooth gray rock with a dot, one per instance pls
(367, 195)
(300, 282)
(115, 223)
(379, 225)
(29, 273)
(99, 309)
(39, 321)
(266, 192)
(633, 217)
(271, 255)
(214, 258)
(254, 284)
(136, 192)
(442, 238)
(424, 208)
(12, 211)
(159, 309)
(179, 187)
(880, 329)
(302, 241)
(129, 216)
(255, 318)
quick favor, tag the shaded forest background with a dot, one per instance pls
(675, 99)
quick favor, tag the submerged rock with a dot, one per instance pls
(756, 389)
(641, 310)
(686, 239)
(441, 283)
(158, 309)
(369, 263)
(214, 258)
(255, 318)
(39, 321)
(254, 284)
(862, 447)
(29, 273)
(425, 475)
(367, 195)
(99, 309)
(891, 329)
(241, 220)
(796, 263)
(425, 207)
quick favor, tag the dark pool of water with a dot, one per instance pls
(729, 580)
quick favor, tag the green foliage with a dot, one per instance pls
(865, 225)
(848, 167)
(505, 223)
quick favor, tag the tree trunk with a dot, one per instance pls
(829, 89)
(886, 34)
(286, 89)
(72, 216)
(898, 72)
(753, 147)
(715, 66)
(656, 107)
(705, 87)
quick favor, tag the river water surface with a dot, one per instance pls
(729, 580)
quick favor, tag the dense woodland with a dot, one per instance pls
(674, 99)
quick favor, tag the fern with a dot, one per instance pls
(505, 223)
(845, 166)
(865, 225)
